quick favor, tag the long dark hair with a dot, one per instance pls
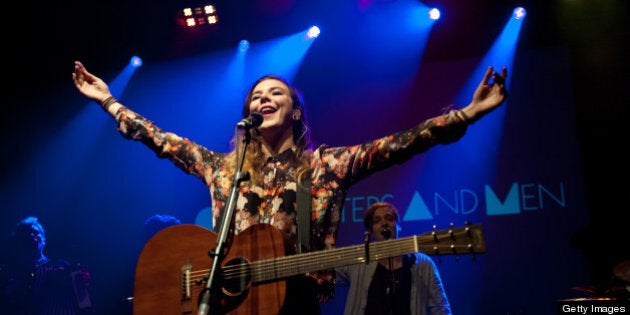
(301, 134)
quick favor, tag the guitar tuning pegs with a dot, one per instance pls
(468, 229)
(434, 233)
(437, 252)
(454, 250)
(472, 252)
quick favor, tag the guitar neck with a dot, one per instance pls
(170, 271)
(449, 242)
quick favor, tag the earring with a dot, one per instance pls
(296, 115)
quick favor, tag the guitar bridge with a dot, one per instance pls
(186, 281)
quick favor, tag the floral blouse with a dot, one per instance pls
(334, 171)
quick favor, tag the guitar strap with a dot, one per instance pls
(304, 215)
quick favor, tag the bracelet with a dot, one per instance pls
(106, 103)
(464, 117)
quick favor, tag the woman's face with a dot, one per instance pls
(272, 99)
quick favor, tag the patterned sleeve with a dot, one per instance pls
(336, 169)
(192, 158)
(354, 163)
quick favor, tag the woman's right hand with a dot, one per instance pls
(88, 84)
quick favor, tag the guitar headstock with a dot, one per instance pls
(467, 239)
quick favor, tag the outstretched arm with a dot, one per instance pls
(487, 96)
(94, 88)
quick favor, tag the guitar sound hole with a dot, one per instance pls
(236, 276)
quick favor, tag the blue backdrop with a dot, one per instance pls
(517, 172)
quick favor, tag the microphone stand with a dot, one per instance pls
(387, 234)
(392, 292)
(225, 227)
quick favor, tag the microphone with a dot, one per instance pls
(254, 120)
(387, 233)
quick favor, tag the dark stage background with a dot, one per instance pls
(555, 150)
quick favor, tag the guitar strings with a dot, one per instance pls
(269, 269)
(287, 265)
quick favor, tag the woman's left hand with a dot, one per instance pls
(488, 95)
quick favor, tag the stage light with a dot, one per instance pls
(434, 14)
(243, 45)
(135, 61)
(313, 32)
(198, 15)
(519, 13)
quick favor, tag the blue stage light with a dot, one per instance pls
(135, 61)
(519, 13)
(434, 14)
(313, 32)
(243, 45)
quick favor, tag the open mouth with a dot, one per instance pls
(267, 110)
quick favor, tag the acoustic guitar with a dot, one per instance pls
(174, 264)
